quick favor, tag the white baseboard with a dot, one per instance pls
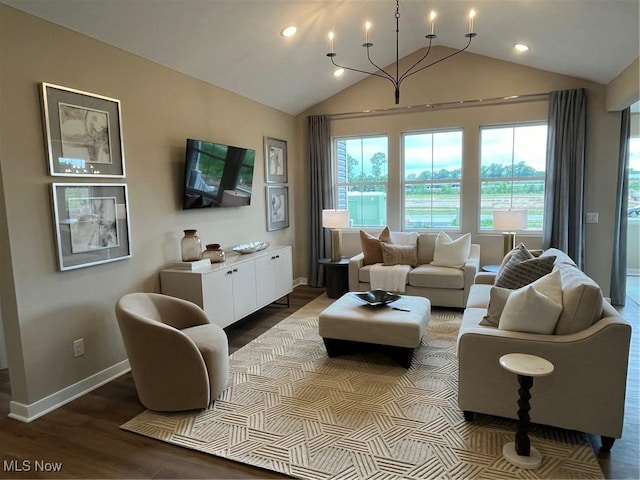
(28, 413)
(300, 281)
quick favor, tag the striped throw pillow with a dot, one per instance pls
(516, 273)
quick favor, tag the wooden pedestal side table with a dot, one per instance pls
(336, 276)
(520, 453)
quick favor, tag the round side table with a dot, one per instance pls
(520, 453)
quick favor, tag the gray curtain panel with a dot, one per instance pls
(320, 188)
(564, 184)
(618, 289)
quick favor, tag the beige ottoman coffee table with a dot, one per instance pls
(398, 327)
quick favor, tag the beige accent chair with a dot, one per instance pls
(179, 359)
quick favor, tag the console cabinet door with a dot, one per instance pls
(265, 279)
(218, 296)
(244, 289)
(283, 273)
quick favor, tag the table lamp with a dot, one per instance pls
(335, 220)
(509, 221)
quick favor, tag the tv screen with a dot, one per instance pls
(217, 175)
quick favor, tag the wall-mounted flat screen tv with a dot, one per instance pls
(217, 175)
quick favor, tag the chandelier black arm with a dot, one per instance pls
(440, 59)
(406, 73)
(388, 75)
(375, 74)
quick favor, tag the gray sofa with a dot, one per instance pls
(443, 286)
(589, 350)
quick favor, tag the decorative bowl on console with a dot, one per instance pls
(251, 247)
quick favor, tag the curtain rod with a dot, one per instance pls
(531, 97)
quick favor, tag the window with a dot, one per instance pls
(512, 169)
(362, 172)
(432, 178)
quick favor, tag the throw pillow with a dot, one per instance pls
(497, 299)
(516, 274)
(534, 308)
(371, 245)
(451, 253)
(521, 252)
(399, 254)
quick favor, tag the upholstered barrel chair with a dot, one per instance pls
(179, 359)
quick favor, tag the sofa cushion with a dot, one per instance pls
(497, 299)
(371, 245)
(478, 296)
(516, 274)
(451, 253)
(432, 276)
(426, 245)
(534, 308)
(561, 257)
(581, 300)
(399, 254)
(403, 238)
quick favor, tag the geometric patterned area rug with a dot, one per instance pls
(291, 409)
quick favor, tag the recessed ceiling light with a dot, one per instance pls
(338, 72)
(289, 31)
(521, 47)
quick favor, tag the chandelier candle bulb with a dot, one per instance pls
(330, 42)
(397, 78)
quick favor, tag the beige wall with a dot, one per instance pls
(468, 77)
(624, 90)
(43, 309)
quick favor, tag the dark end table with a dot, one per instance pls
(336, 275)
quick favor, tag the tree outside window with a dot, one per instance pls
(512, 172)
(362, 173)
(432, 180)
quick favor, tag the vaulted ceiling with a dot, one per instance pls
(236, 44)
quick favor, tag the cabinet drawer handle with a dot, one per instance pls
(235, 270)
(229, 272)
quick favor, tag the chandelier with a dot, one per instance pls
(418, 66)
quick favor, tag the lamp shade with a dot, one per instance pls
(509, 220)
(335, 218)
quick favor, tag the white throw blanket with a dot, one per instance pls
(392, 278)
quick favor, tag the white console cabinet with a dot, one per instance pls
(233, 289)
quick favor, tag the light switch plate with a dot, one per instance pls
(592, 218)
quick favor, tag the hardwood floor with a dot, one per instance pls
(624, 459)
(83, 436)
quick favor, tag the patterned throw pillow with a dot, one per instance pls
(371, 245)
(399, 254)
(516, 274)
(521, 252)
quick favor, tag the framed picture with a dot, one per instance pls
(275, 156)
(91, 223)
(83, 133)
(277, 207)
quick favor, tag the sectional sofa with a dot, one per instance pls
(589, 348)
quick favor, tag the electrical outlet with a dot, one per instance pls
(78, 347)
(592, 218)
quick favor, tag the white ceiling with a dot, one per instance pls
(236, 44)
